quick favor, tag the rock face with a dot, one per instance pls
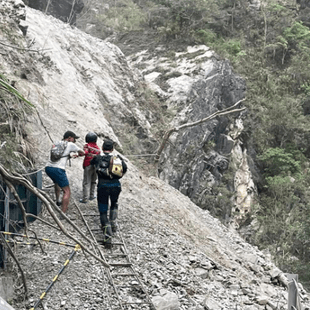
(189, 163)
(196, 84)
(65, 10)
(93, 91)
(193, 85)
(189, 85)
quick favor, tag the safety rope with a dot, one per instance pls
(76, 248)
(134, 155)
(41, 239)
(19, 242)
(142, 155)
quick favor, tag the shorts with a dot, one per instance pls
(58, 176)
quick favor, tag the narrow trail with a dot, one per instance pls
(122, 286)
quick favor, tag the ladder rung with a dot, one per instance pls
(90, 214)
(123, 275)
(136, 303)
(132, 285)
(117, 243)
(120, 265)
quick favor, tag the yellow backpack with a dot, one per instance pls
(116, 166)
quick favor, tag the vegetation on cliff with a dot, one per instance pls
(14, 149)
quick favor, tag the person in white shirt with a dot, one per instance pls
(56, 170)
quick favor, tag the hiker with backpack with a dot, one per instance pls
(91, 149)
(110, 169)
(56, 167)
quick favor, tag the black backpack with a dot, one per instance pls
(110, 166)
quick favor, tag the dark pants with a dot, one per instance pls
(106, 191)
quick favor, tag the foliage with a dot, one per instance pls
(111, 17)
(124, 15)
(12, 90)
(284, 221)
(14, 150)
(173, 19)
(279, 162)
(284, 209)
(219, 202)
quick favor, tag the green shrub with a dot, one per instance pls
(204, 36)
(278, 161)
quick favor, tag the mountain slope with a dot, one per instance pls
(175, 246)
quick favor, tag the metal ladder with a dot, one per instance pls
(128, 288)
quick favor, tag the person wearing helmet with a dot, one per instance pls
(91, 149)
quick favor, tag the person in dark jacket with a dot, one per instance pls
(108, 188)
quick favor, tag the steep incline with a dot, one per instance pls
(184, 256)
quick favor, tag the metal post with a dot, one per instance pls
(7, 222)
(39, 185)
(293, 296)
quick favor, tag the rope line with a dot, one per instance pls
(76, 248)
(42, 239)
(19, 242)
(134, 155)
(142, 155)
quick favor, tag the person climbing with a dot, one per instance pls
(56, 168)
(109, 187)
(91, 149)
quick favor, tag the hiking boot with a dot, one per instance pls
(106, 230)
(83, 200)
(113, 217)
(107, 236)
(107, 241)
(114, 226)
(92, 198)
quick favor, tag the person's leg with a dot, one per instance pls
(65, 198)
(93, 184)
(103, 204)
(86, 183)
(60, 180)
(115, 191)
(57, 194)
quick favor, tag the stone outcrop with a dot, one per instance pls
(196, 84)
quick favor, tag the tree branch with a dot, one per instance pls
(42, 196)
(168, 133)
